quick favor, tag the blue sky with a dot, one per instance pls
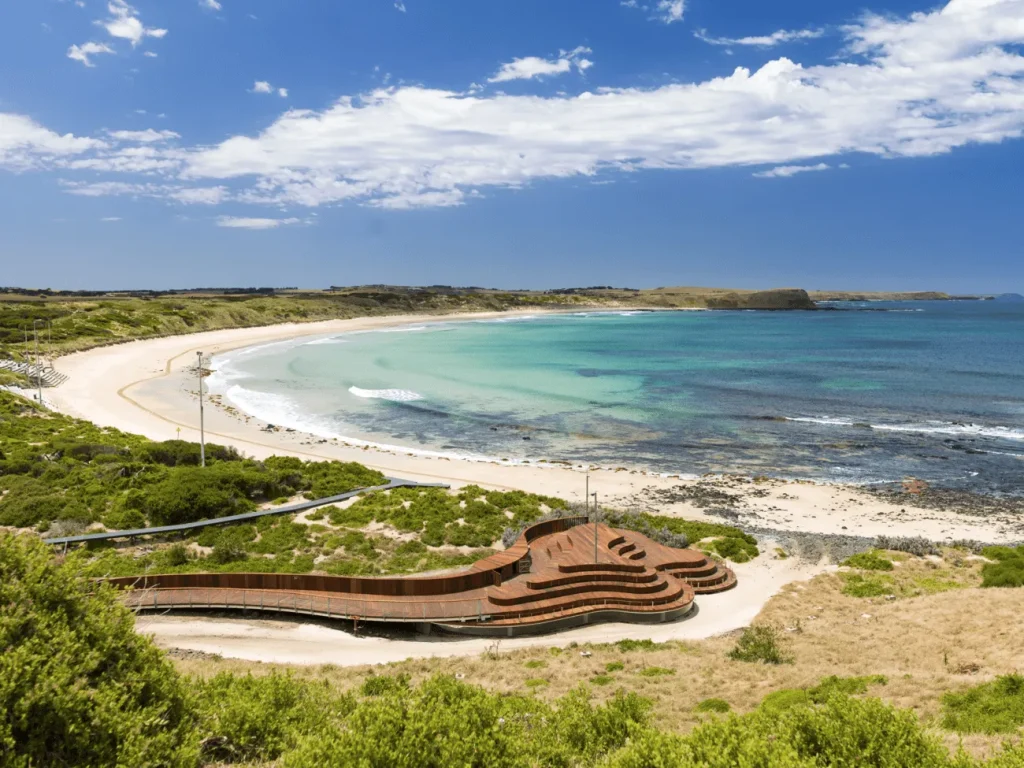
(534, 143)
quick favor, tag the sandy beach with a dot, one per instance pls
(145, 387)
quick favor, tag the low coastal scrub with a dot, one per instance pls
(80, 323)
(54, 468)
(760, 643)
(869, 561)
(830, 686)
(1007, 570)
(914, 577)
(995, 707)
(713, 705)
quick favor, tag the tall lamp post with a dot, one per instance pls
(594, 494)
(39, 365)
(202, 431)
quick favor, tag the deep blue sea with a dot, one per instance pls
(862, 393)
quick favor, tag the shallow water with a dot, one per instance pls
(866, 393)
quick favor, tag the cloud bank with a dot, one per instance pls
(901, 87)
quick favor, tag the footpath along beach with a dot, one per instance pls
(150, 388)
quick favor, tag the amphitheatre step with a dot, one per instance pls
(594, 576)
(506, 596)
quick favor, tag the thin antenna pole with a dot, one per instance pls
(594, 494)
(202, 428)
(39, 367)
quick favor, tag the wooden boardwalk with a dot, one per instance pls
(553, 575)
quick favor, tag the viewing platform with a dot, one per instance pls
(553, 577)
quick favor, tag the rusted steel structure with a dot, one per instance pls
(549, 579)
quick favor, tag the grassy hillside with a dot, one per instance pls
(71, 322)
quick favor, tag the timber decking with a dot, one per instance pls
(552, 572)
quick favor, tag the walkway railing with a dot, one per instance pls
(302, 506)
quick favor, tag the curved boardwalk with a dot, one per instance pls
(552, 577)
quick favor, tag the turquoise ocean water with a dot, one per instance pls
(865, 393)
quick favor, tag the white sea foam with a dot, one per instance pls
(328, 340)
(396, 395)
(928, 427)
(282, 411)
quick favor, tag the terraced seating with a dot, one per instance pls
(569, 578)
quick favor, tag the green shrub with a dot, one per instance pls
(602, 680)
(732, 548)
(446, 723)
(536, 682)
(78, 685)
(656, 671)
(614, 666)
(995, 707)
(383, 685)
(760, 643)
(869, 561)
(1007, 571)
(246, 718)
(718, 706)
(778, 701)
(857, 585)
(841, 732)
(626, 645)
(177, 555)
(535, 664)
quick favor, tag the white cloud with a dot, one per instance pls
(437, 199)
(83, 52)
(400, 5)
(200, 195)
(783, 171)
(262, 86)
(243, 222)
(670, 11)
(125, 24)
(762, 41)
(150, 55)
(211, 5)
(148, 136)
(111, 218)
(907, 87)
(534, 66)
(25, 144)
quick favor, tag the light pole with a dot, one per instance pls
(39, 366)
(586, 493)
(594, 494)
(202, 432)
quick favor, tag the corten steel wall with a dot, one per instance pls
(488, 572)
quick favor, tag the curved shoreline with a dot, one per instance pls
(144, 387)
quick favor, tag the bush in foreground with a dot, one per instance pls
(78, 686)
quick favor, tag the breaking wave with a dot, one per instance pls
(395, 395)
